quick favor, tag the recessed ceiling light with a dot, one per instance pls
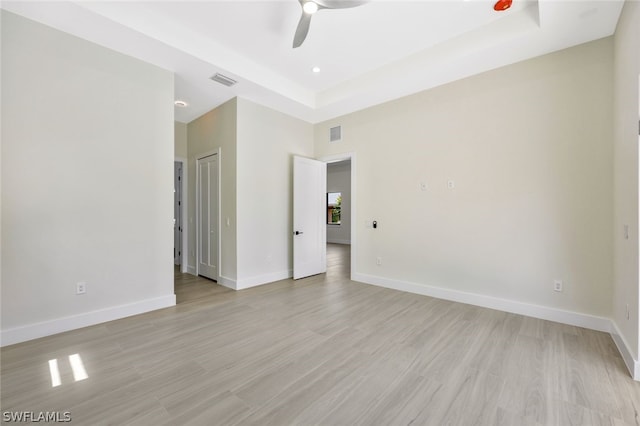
(180, 104)
(310, 7)
(315, 69)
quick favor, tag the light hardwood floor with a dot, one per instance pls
(328, 351)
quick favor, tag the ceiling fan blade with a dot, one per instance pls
(305, 18)
(340, 4)
(302, 30)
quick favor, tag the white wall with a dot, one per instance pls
(267, 141)
(216, 129)
(529, 148)
(626, 75)
(87, 175)
(339, 180)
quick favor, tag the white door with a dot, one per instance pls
(309, 228)
(208, 217)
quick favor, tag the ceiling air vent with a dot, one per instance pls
(335, 134)
(223, 79)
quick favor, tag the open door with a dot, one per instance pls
(309, 215)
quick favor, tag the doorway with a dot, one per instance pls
(180, 231)
(208, 215)
(338, 202)
(341, 238)
(311, 212)
(177, 213)
(343, 242)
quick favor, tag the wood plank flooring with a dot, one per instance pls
(324, 351)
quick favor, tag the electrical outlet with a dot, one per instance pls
(81, 288)
(423, 186)
(451, 184)
(378, 261)
(557, 285)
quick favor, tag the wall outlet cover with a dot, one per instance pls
(557, 285)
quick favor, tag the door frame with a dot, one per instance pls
(354, 223)
(184, 267)
(199, 158)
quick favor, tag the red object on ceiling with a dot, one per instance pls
(502, 5)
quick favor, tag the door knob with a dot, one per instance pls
(298, 233)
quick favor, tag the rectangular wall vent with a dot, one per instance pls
(335, 134)
(223, 79)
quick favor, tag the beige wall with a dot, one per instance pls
(180, 139)
(626, 75)
(267, 141)
(529, 148)
(87, 176)
(215, 129)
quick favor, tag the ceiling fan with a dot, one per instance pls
(309, 7)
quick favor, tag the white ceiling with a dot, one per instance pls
(369, 54)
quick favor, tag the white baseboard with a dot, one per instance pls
(552, 314)
(227, 282)
(244, 283)
(59, 325)
(192, 270)
(536, 311)
(336, 241)
(633, 365)
(257, 280)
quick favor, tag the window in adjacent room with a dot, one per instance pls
(334, 205)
